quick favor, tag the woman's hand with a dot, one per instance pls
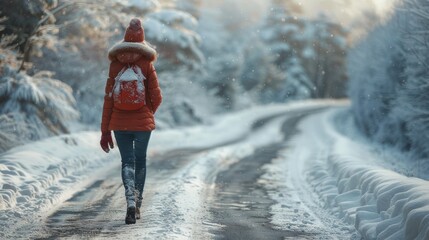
(106, 141)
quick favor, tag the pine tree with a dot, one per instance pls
(174, 34)
(222, 79)
(281, 33)
(324, 57)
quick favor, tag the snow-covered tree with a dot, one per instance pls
(324, 57)
(373, 84)
(389, 80)
(78, 56)
(192, 7)
(185, 102)
(13, 128)
(284, 61)
(35, 25)
(173, 32)
(31, 107)
(44, 103)
(23, 17)
(281, 33)
(142, 7)
(413, 100)
(258, 66)
(221, 79)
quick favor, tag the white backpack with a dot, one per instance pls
(129, 89)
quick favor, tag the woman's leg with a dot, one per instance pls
(141, 143)
(125, 142)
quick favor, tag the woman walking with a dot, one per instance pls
(132, 96)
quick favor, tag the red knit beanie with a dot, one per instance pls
(134, 32)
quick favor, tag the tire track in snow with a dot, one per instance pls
(298, 206)
(242, 205)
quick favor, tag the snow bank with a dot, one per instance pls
(37, 176)
(28, 170)
(382, 204)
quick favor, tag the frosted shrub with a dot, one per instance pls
(40, 104)
(414, 99)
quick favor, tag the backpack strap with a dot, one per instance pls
(117, 79)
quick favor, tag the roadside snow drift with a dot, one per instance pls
(380, 203)
(43, 167)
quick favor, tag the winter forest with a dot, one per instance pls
(217, 58)
(225, 56)
(53, 62)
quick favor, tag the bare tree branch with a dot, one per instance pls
(49, 15)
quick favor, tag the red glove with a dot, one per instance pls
(106, 141)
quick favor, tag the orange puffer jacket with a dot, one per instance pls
(122, 54)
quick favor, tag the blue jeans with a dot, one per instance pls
(133, 149)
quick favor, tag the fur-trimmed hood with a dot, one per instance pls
(142, 48)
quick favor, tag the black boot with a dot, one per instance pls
(131, 215)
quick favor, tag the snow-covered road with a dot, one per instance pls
(266, 173)
(202, 193)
